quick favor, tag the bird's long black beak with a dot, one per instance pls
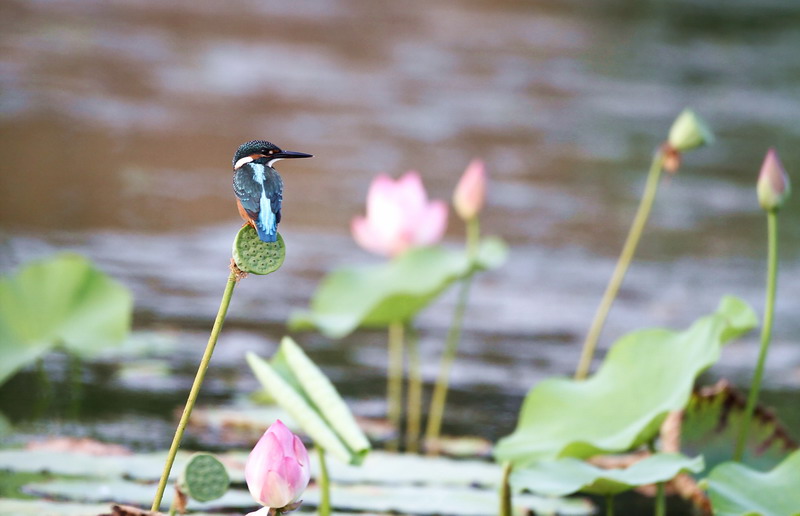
(290, 155)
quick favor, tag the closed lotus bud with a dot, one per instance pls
(773, 183)
(470, 193)
(689, 132)
(277, 470)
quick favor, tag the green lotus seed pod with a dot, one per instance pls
(688, 132)
(204, 478)
(257, 257)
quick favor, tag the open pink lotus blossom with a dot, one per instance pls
(470, 193)
(399, 216)
(277, 470)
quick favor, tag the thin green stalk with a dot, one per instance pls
(661, 495)
(395, 381)
(75, 384)
(766, 332)
(193, 393)
(324, 485)
(173, 507)
(439, 397)
(505, 491)
(628, 250)
(45, 387)
(661, 500)
(414, 401)
(609, 505)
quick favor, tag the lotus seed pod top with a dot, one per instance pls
(470, 193)
(399, 216)
(773, 182)
(689, 132)
(277, 470)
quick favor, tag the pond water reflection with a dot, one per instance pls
(119, 119)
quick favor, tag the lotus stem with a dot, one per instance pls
(395, 381)
(505, 491)
(661, 500)
(609, 505)
(766, 331)
(439, 397)
(628, 250)
(414, 401)
(324, 485)
(195, 390)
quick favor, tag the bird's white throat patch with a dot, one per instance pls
(242, 161)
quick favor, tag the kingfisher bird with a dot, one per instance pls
(258, 187)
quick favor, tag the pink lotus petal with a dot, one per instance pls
(399, 216)
(264, 511)
(276, 492)
(366, 236)
(433, 224)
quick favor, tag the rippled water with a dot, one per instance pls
(118, 119)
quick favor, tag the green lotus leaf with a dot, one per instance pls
(645, 375)
(61, 301)
(737, 490)
(377, 295)
(560, 477)
(304, 391)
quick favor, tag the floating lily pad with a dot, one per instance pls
(61, 301)
(645, 375)
(375, 296)
(737, 490)
(304, 391)
(253, 255)
(560, 477)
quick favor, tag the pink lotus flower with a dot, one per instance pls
(470, 193)
(399, 216)
(277, 470)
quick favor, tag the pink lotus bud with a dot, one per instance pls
(470, 193)
(399, 216)
(773, 183)
(277, 470)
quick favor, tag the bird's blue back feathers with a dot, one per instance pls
(260, 190)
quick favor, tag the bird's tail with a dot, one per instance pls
(267, 227)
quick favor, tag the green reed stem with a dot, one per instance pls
(766, 332)
(193, 393)
(324, 485)
(394, 391)
(439, 397)
(505, 491)
(628, 250)
(414, 401)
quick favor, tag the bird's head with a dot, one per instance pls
(260, 149)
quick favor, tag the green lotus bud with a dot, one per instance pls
(688, 132)
(773, 183)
